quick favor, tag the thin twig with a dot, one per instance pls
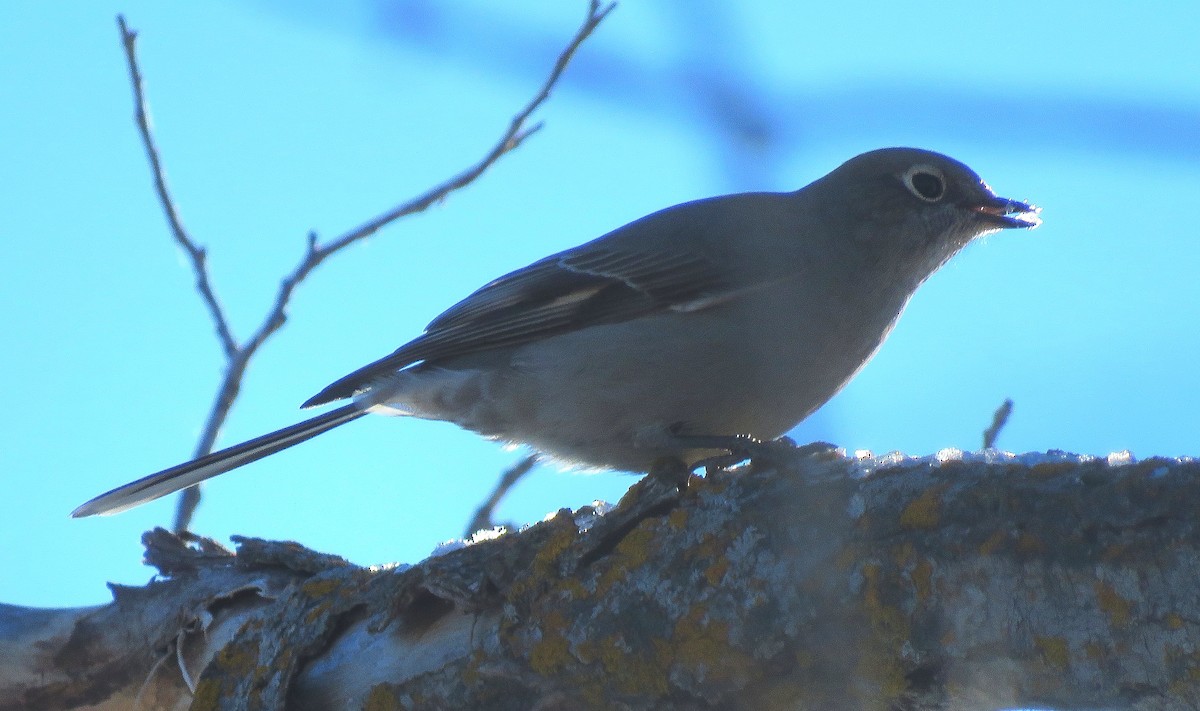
(999, 419)
(238, 356)
(483, 516)
(195, 252)
(512, 138)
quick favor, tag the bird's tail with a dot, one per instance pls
(168, 481)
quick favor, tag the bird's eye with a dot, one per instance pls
(925, 182)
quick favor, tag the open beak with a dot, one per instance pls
(1006, 213)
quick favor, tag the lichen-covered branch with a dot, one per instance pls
(815, 581)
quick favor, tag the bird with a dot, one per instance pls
(674, 337)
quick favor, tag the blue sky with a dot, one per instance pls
(279, 118)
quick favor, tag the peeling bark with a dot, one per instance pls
(814, 581)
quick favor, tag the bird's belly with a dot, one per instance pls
(600, 398)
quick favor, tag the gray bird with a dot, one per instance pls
(732, 316)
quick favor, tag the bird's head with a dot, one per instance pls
(914, 208)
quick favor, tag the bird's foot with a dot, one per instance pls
(742, 448)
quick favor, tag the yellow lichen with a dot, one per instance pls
(1114, 552)
(635, 548)
(715, 572)
(238, 658)
(711, 557)
(1030, 544)
(544, 566)
(1117, 607)
(551, 653)
(381, 698)
(634, 672)
(548, 555)
(573, 587)
(470, 672)
(993, 543)
(319, 588)
(632, 552)
(316, 613)
(847, 557)
(1054, 650)
(698, 643)
(640, 672)
(206, 696)
(925, 511)
(594, 690)
(922, 577)
(879, 664)
(779, 694)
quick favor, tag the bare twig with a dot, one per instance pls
(512, 138)
(195, 252)
(238, 355)
(483, 515)
(998, 421)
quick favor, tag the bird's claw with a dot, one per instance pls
(741, 448)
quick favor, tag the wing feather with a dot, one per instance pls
(589, 285)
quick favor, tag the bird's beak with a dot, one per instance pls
(1006, 213)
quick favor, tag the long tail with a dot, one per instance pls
(168, 481)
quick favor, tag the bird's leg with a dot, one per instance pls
(671, 471)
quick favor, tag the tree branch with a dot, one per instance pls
(482, 520)
(957, 581)
(237, 355)
(999, 420)
(195, 253)
(510, 140)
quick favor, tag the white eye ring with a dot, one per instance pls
(925, 182)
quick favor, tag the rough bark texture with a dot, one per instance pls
(814, 581)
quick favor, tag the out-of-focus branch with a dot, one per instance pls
(999, 420)
(237, 354)
(483, 515)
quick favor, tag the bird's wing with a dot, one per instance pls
(603, 281)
